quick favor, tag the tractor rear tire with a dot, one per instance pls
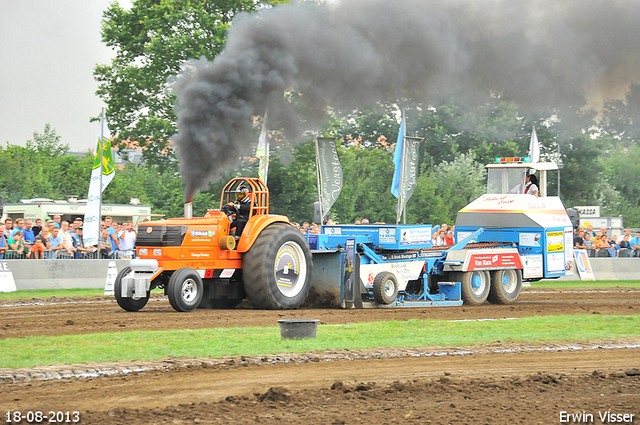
(475, 286)
(277, 269)
(505, 286)
(185, 290)
(127, 304)
(385, 288)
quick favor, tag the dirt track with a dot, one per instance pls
(65, 317)
(524, 387)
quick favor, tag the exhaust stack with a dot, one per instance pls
(188, 210)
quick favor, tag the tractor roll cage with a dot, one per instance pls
(258, 191)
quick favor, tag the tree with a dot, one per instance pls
(292, 182)
(367, 182)
(489, 129)
(152, 41)
(622, 173)
(621, 118)
(581, 156)
(42, 168)
(457, 184)
(370, 128)
(47, 143)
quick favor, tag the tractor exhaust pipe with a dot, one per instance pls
(188, 210)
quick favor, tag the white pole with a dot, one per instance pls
(101, 153)
(400, 183)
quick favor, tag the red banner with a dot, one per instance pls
(494, 261)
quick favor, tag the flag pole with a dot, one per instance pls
(400, 183)
(102, 173)
(101, 153)
(262, 151)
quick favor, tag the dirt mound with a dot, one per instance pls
(275, 394)
(499, 382)
(535, 398)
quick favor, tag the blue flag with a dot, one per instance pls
(397, 160)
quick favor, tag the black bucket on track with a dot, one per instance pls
(298, 328)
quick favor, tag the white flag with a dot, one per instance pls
(534, 147)
(409, 173)
(263, 151)
(102, 173)
(329, 172)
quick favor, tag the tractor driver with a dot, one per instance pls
(242, 209)
(530, 187)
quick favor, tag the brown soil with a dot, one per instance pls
(526, 386)
(65, 317)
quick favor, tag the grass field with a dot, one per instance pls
(149, 345)
(42, 294)
(578, 284)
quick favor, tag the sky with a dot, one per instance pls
(48, 50)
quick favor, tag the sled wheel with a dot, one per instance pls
(385, 288)
(475, 286)
(127, 304)
(185, 290)
(505, 286)
(277, 269)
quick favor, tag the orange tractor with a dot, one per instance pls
(201, 262)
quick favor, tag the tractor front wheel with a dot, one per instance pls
(127, 304)
(185, 290)
(277, 269)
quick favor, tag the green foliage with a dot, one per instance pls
(47, 143)
(367, 175)
(598, 168)
(623, 172)
(376, 128)
(152, 41)
(621, 118)
(42, 168)
(487, 130)
(292, 182)
(457, 184)
(583, 167)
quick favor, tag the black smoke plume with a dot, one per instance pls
(302, 59)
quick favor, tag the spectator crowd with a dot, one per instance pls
(442, 235)
(598, 244)
(57, 239)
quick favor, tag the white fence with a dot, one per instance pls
(58, 274)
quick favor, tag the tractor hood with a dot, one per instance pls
(511, 210)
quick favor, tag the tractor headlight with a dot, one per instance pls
(143, 251)
(157, 251)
